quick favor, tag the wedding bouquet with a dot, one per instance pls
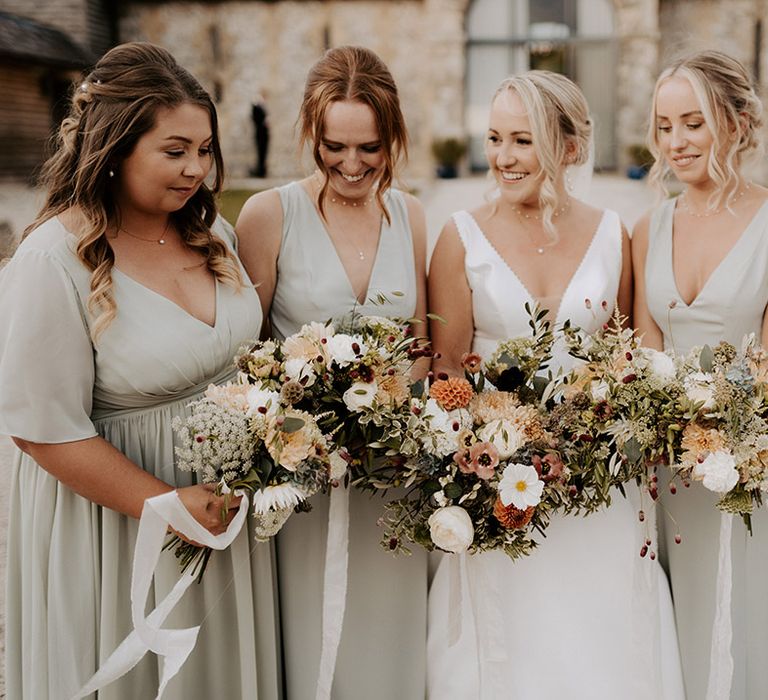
(623, 400)
(485, 468)
(724, 440)
(704, 415)
(354, 375)
(243, 436)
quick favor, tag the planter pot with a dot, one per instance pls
(446, 171)
(636, 172)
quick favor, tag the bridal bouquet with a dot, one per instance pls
(484, 468)
(248, 436)
(354, 375)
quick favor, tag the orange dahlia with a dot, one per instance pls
(451, 393)
(510, 517)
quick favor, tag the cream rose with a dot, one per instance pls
(451, 529)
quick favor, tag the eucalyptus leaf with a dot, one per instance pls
(291, 424)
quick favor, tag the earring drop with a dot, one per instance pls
(111, 173)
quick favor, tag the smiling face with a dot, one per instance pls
(511, 152)
(168, 163)
(351, 149)
(683, 136)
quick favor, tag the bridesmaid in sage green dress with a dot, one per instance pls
(120, 306)
(701, 277)
(317, 249)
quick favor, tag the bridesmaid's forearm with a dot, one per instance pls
(95, 470)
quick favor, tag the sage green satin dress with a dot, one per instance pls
(382, 650)
(69, 560)
(731, 304)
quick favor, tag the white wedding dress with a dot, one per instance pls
(584, 617)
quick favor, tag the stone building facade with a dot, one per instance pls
(237, 48)
(446, 56)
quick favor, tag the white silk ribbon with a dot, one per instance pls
(483, 594)
(720, 656)
(174, 645)
(334, 588)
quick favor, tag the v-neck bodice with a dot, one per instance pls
(312, 283)
(153, 350)
(499, 296)
(733, 299)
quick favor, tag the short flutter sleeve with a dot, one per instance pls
(46, 356)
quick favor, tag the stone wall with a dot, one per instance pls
(85, 21)
(694, 25)
(637, 29)
(237, 48)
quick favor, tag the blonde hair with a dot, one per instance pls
(357, 74)
(559, 117)
(728, 102)
(110, 111)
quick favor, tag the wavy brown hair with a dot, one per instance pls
(111, 109)
(357, 74)
(732, 111)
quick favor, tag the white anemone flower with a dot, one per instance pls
(520, 486)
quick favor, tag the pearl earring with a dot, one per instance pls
(111, 173)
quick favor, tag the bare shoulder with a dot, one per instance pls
(412, 203)
(260, 208)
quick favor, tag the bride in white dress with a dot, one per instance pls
(585, 617)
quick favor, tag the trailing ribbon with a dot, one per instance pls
(334, 588)
(174, 645)
(720, 656)
(484, 596)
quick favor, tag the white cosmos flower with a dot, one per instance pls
(520, 486)
(718, 471)
(262, 398)
(277, 497)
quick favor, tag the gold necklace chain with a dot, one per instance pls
(537, 217)
(159, 241)
(685, 204)
(349, 239)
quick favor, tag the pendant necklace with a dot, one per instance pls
(344, 203)
(159, 241)
(537, 217)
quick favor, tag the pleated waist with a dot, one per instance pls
(103, 409)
